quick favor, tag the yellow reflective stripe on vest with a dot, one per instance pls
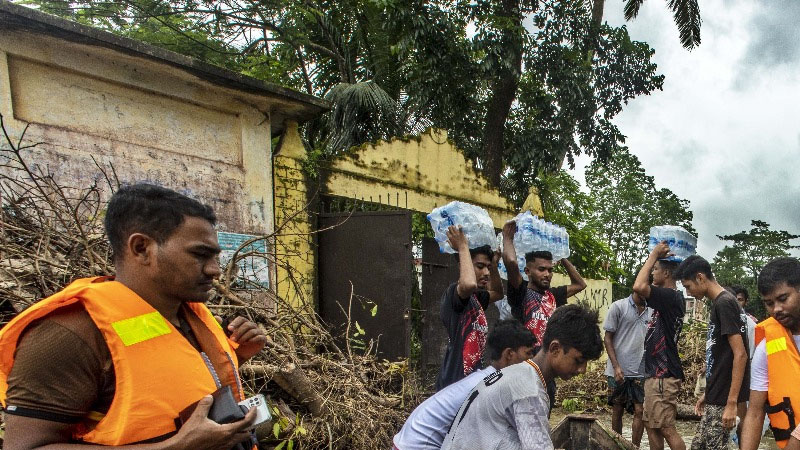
(776, 345)
(141, 328)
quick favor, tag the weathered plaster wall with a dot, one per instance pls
(294, 247)
(151, 121)
(429, 170)
(597, 293)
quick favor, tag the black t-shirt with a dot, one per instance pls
(534, 308)
(726, 318)
(466, 325)
(661, 357)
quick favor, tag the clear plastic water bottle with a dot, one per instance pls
(473, 220)
(556, 233)
(538, 237)
(681, 243)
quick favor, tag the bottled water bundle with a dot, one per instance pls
(680, 241)
(474, 221)
(535, 234)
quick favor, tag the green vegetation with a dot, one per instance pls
(739, 263)
(509, 80)
(609, 222)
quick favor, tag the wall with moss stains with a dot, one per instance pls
(153, 122)
(418, 174)
(295, 250)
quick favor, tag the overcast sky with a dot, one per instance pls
(725, 131)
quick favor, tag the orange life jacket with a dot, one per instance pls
(158, 372)
(783, 368)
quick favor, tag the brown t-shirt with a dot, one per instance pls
(62, 367)
(63, 370)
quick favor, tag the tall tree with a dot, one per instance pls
(740, 262)
(565, 203)
(754, 248)
(628, 204)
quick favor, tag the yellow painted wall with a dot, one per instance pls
(416, 173)
(294, 246)
(419, 174)
(597, 293)
(153, 122)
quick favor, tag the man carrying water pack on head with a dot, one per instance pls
(533, 303)
(662, 361)
(463, 308)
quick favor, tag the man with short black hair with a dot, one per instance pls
(727, 365)
(509, 343)
(742, 296)
(463, 308)
(626, 326)
(774, 386)
(508, 409)
(534, 302)
(134, 350)
(662, 361)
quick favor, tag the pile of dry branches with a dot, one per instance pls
(324, 395)
(589, 391)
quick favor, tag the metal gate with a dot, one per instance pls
(439, 270)
(371, 250)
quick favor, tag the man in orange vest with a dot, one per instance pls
(774, 387)
(113, 361)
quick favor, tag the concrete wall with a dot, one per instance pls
(419, 174)
(597, 293)
(153, 122)
(294, 246)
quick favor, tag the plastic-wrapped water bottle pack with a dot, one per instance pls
(474, 221)
(680, 241)
(535, 234)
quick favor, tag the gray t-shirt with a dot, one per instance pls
(629, 328)
(507, 410)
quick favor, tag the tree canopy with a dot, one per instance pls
(609, 222)
(740, 262)
(628, 204)
(509, 80)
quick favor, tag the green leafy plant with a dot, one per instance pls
(572, 405)
(282, 425)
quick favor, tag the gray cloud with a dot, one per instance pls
(774, 38)
(723, 133)
(747, 187)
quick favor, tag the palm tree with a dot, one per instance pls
(685, 12)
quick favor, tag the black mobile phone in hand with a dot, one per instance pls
(223, 410)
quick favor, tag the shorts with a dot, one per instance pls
(710, 434)
(661, 402)
(628, 393)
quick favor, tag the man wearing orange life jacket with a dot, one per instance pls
(774, 387)
(113, 361)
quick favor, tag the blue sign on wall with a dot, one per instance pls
(254, 268)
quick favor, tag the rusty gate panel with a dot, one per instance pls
(439, 270)
(373, 251)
